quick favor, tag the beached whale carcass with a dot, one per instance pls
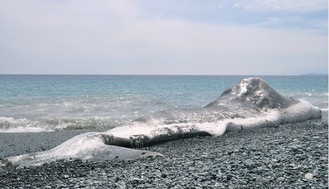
(251, 103)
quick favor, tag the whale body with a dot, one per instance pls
(249, 104)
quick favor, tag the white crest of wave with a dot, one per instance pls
(20, 125)
(25, 130)
(24, 125)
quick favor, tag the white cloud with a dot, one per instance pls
(118, 36)
(271, 20)
(282, 5)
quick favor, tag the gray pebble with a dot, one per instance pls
(278, 157)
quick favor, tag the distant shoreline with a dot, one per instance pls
(314, 74)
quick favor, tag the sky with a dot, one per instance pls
(175, 37)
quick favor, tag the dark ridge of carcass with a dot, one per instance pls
(255, 93)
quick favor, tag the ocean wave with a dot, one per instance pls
(25, 130)
(14, 125)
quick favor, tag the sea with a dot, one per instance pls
(46, 103)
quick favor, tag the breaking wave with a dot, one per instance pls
(10, 124)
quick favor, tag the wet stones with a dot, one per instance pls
(236, 160)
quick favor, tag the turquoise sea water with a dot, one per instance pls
(50, 102)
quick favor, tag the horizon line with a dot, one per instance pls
(83, 74)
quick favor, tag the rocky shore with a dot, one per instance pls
(286, 156)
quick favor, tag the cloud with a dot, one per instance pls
(121, 37)
(282, 5)
(272, 20)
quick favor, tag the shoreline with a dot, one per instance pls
(282, 156)
(12, 144)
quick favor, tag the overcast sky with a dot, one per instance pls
(245, 37)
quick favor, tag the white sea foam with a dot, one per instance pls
(25, 130)
(22, 125)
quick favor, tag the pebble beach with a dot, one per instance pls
(286, 156)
